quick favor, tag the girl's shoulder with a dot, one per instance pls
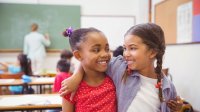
(116, 65)
(117, 59)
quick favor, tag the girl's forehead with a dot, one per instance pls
(132, 39)
(95, 37)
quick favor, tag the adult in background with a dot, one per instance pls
(34, 47)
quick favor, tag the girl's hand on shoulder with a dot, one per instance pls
(68, 86)
(175, 105)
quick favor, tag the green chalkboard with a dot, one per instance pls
(16, 19)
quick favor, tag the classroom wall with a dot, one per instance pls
(104, 7)
(183, 62)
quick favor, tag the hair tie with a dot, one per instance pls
(158, 85)
(68, 32)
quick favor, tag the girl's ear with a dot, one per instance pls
(153, 53)
(77, 55)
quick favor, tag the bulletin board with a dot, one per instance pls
(166, 17)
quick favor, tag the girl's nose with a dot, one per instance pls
(126, 53)
(104, 54)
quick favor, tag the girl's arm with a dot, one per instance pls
(4, 66)
(67, 106)
(71, 84)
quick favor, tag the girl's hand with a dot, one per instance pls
(71, 84)
(175, 105)
(68, 85)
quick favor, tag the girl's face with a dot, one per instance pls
(94, 52)
(136, 53)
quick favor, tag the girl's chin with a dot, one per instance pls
(131, 67)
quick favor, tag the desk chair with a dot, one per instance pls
(9, 76)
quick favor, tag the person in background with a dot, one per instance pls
(96, 92)
(68, 55)
(34, 47)
(118, 51)
(141, 86)
(62, 68)
(22, 65)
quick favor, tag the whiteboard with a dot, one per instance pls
(114, 27)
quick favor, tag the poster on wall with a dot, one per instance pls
(184, 23)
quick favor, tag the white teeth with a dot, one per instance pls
(102, 62)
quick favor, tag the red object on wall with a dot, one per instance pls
(196, 7)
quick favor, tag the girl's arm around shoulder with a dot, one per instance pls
(114, 64)
(67, 106)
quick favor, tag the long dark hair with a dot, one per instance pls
(153, 36)
(25, 64)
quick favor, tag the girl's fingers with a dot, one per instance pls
(63, 88)
(172, 105)
(63, 93)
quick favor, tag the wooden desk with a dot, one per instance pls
(39, 82)
(35, 81)
(34, 102)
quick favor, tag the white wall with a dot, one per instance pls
(183, 62)
(99, 7)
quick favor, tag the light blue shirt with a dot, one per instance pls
(34, 45)
(127, 91)
(19, 89)
(14, 69)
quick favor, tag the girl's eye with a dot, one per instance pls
(133, 48)
(107, 49)
(96, 50)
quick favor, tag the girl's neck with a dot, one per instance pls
(149, 72)
(94, 78)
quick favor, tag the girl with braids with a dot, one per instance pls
(96, 92)
(135, 75)
(22, 65)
